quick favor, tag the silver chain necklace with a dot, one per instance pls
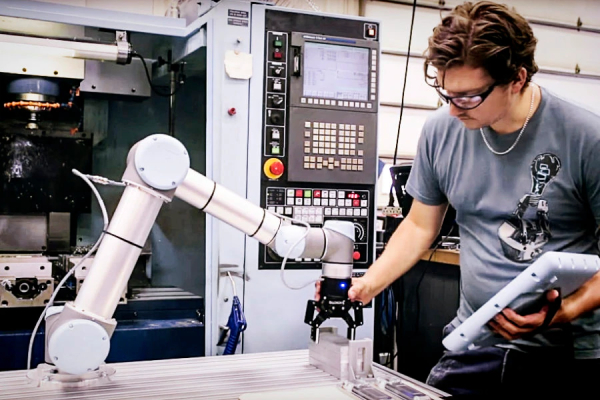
(501, 153)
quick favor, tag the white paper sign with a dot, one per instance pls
(238, 65)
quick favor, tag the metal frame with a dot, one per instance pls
(226, 157)
(98, 18)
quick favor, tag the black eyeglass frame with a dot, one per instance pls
(450, 99)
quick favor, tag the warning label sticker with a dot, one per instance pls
(238, 13)
(237, 22)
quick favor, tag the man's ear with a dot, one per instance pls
(519, 81)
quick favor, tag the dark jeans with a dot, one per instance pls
(497, 373)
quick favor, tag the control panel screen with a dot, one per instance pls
(336, 72)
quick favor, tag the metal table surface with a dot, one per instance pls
(221, 377)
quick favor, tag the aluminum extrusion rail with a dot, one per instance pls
(207, 378)
(221, 377)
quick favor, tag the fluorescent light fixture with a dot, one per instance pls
(119, 52)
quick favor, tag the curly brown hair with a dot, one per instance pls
(487, 35)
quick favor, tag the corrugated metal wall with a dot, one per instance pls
(559, 49)
(562, 50)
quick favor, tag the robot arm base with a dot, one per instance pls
(47, 375)
(77, 341)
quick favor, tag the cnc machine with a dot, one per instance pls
(276, 106)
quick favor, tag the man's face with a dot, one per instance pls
(468, 81)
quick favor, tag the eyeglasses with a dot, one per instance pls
(465, 102)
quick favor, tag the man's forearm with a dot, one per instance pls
(584, 300)
(403, 251)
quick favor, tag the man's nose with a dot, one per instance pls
(455, 111)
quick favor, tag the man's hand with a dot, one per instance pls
(359, 291)
(512, 326)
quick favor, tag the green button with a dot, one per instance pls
(308, 193)
(278, 43)
(275, 150)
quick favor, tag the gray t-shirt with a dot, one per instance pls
(549, 184)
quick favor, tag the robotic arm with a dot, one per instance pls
(78, 335)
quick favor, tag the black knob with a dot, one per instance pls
(275, 119)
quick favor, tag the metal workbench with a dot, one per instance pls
(220, 377)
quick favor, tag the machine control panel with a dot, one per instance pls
(334, 146)
(317, 205)
(320, 126)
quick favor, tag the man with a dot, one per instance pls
(519, 166)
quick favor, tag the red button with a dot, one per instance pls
(299, 193)
(356, 256)
(316, 193)
(277, 55)
(355, 203)
(276, 168)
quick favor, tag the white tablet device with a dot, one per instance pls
(567, 271)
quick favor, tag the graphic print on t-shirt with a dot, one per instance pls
(524, 234)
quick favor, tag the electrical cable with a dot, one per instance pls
(388, 309)
(400, 328)
(149, 78)
(104, 181)
(232, 283)
(72, 271)
(391, 194)
(287, 254)
(410, 35)
(418, 285)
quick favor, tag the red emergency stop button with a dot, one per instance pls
(356, 256)
(277, 168)
(273, 168)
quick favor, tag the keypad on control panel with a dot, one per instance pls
(313, 205)
(338, 103)
(373, 74)
(331, 146)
